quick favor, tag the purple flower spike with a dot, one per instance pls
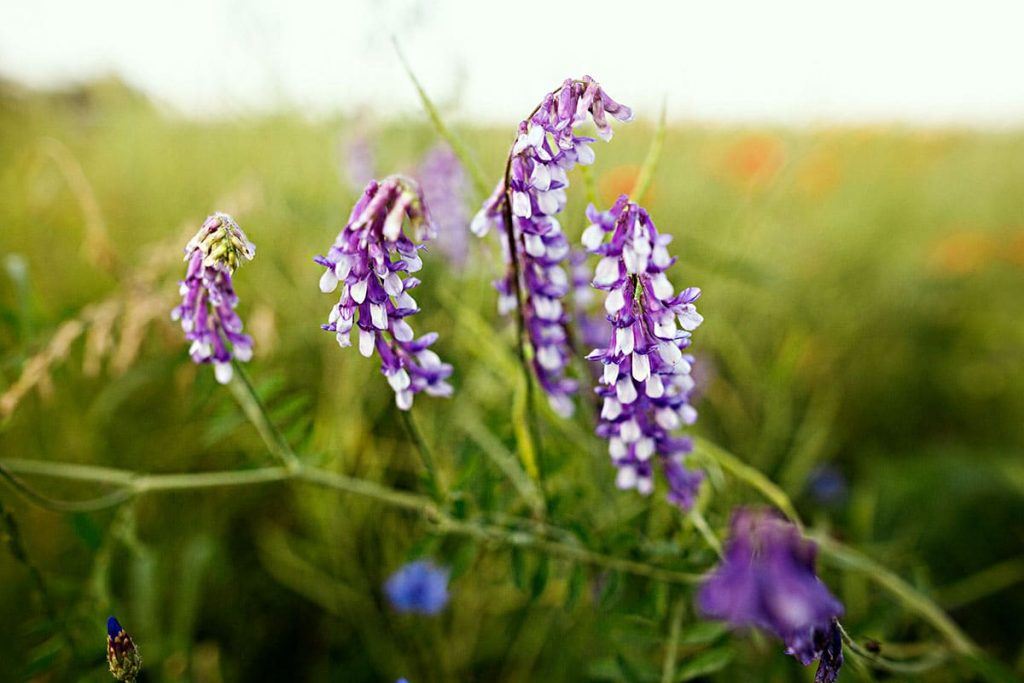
(207, 310)
(419, 587)
(768, 580)
(444, 186)
(645, 381)
(530, 196)
(372, 258)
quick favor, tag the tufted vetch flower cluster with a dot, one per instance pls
(372, 259)
(646, 376)
(524, 209)
(207, 310)
(767, 579)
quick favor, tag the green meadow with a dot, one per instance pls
(864, 313)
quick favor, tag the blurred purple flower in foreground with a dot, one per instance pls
(419, 587)
(768, 580)
(122, 656)
(207, 310)
(372, 258)
(530, 196)
(444, 186)
(646, 380)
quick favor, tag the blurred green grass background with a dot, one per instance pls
(864, 306)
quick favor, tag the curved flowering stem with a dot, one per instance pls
(850, 559)
(747, 474)
(926, 662)
(433, 483)
(89, 505)
(138, 483)
(254, 409)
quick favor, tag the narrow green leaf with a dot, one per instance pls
(705, 664)
(456, 143)
(643, 179)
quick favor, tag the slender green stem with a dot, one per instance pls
(523, 539)
(88, 505)
(990, 580)
(668, 669)
(433, 482)
(850, 559)
(700, 523)
(749, 475)
(138, 484)
(931, 659)
(245, 393)
(646, 174)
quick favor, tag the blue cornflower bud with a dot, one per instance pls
(767, 579)
(419, 587)
(533, 193)
(646, 377)
(122, 655)
(372, 258)
(207, 310)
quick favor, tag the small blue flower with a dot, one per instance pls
(419, 587)
(827, 485)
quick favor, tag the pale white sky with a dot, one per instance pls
(932, 62)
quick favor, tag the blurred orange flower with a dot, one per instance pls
(753, 162)
(1015, 253)
(962, 253)
(621, 180)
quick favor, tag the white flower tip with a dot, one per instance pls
(403, 399)
(328, 281)
(223, 372)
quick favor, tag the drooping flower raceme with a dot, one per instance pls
(645, 380)
(372, 258)
(419, 587)
(444, 186)
(524, 209)
(767, 579)
(207, 310)
(123, 658)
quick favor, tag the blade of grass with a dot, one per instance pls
(455, 142)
